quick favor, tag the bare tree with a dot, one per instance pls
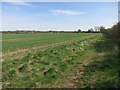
(79, 31)
(97, 28)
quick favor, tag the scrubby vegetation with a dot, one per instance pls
(86, 61)
(44, 68)
(113, 33)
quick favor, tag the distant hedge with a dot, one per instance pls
(113, 32)
(29, 32)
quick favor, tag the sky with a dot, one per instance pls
(59, 16)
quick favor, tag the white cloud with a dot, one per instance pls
(68, 12)
(18, 2)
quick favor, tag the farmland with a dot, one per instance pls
(58, 60)
(22, 41)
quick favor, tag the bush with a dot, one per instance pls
(113, 32)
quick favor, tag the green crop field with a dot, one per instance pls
(13, 42)
(58, 60)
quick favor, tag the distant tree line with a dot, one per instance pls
(33, 31)
(22, 32)
(29, 32)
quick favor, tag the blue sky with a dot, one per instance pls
(58, 15)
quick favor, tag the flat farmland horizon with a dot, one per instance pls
(54, 60)
(59, 44)
(25, 41)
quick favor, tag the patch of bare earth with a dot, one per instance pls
(70, 79)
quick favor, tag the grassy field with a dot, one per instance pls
(19, 45)
(23, 41)
(63, 60)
